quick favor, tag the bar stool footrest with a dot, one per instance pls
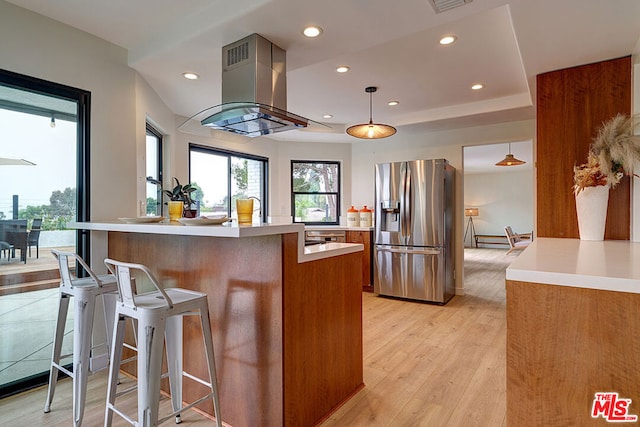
(62, 369)
(184, 408)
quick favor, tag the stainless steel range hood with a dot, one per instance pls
(254, 90)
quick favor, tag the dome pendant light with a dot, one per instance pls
(371, 130)
(509, 160)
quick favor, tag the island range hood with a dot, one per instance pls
(254, 90)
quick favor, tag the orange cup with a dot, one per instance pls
(244, 207)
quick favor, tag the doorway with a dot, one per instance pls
(44, 162)
(497, 196)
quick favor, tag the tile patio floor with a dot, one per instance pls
(27, 322)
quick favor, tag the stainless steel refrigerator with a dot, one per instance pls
(414, 230)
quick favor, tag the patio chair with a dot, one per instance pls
(14, 233)
(34, 236)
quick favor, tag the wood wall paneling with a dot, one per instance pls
(571, 105)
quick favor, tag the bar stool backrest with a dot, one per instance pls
(126, 286)
(65, 273)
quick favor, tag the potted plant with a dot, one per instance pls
(612, 154)
(180, 196)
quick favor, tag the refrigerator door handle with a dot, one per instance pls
(403, 207)
(418, 251)
(407, 202)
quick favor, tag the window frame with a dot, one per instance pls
(264, 191)
(152, 131)
(336, 193)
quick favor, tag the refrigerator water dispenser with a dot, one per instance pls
(390, 215)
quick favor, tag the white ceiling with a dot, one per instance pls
(389, 44)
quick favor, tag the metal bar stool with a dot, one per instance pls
(158, 313)
(85, 291)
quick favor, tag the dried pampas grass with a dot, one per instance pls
(616, 147)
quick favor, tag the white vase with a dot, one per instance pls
(591, 207)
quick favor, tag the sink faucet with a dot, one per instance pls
(259, 208)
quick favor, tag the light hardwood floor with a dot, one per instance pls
(429, 365)
(424, 364)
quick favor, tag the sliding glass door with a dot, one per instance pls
(44, 175)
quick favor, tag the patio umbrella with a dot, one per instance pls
(7, 161)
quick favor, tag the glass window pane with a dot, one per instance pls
(225, 177)
(153, 190)
(47, 188)
(152, 157)
(316, 208)
(315, 177)
(246, 181)
(315, 191)
(209, 172)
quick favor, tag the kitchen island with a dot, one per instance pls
(286, 320)
(573, 330)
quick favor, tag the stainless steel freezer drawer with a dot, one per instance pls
(410, 272)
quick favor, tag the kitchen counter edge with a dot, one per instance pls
(305, 254)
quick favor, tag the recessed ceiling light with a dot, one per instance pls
(477, 86)
(393, 103)
(190, 76)
(342, 69)
(312, 31)
(448, 39)
(327, 116)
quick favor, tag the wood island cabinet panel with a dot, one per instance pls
(564, 344)
(571, 106)
(243, 282)
(364, 237)
(287, 335)
(322, 324)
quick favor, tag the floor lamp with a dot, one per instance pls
(470, 212)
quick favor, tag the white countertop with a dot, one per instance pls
(612, 265)
(232, 230)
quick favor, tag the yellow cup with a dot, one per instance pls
(175, 210)
(244, 207)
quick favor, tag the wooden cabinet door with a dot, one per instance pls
(363, 237)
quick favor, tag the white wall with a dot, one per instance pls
(150, 108)
(502, 198)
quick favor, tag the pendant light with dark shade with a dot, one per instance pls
(371, 130)
(510, 160)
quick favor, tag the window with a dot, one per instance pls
(154, 171)
(223, 176)
(315, 187)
